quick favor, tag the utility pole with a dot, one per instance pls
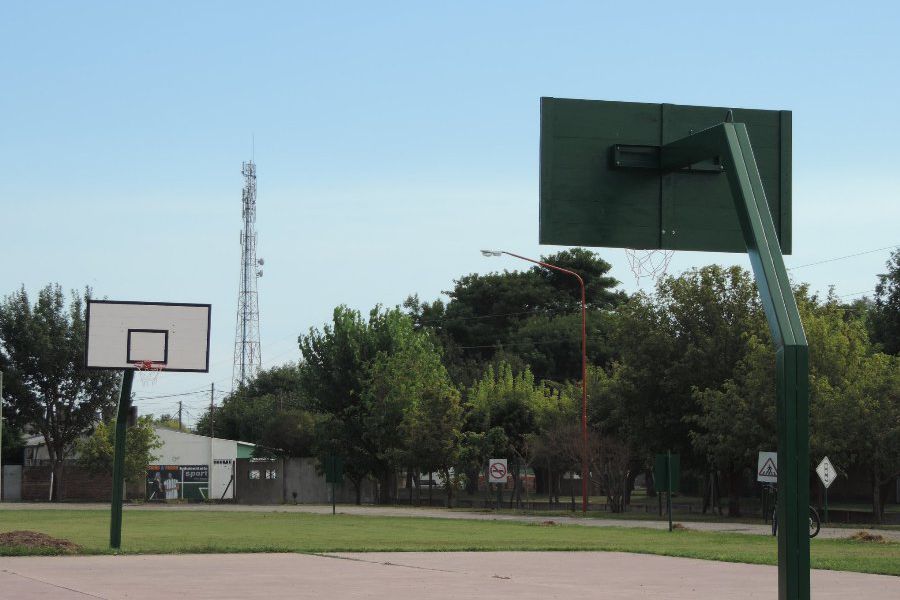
(212, 431)
(179, 415)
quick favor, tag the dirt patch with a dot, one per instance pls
(33, 540)
(680, 527)
(865, 536)
(549, 523)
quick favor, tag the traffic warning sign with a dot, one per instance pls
(767, 467)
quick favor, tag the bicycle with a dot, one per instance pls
(815, 523)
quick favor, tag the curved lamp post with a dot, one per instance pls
(584, 434)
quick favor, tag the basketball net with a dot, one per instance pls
(648, 263)
(148, 371)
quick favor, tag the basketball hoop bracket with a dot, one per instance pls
(642, 156)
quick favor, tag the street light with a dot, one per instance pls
(584, 434)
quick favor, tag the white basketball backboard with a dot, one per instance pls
(172, 336)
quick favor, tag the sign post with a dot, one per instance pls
(334, 474)
(667, 473)
(827, 475)
(497, 472)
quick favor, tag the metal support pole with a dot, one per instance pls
(212, 425)
(1, 436)
(731, 143)
(118, 478)
(826, 502)
(669, 486)
(333, 501)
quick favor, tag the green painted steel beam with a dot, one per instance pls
(730, 143)
(118, 478)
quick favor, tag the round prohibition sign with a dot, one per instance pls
(498, 471)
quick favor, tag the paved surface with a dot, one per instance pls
(438, 513)
(437, 576)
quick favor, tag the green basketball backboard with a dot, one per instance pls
(601, 184)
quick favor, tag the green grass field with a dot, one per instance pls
(163, 532)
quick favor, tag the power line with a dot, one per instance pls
(828, 260)
(855, 293)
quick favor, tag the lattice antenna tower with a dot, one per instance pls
(247, 356)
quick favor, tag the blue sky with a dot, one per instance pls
(394, 141)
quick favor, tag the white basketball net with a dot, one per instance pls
(648, 263)
(148, 371)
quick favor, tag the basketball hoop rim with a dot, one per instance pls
(148, 365)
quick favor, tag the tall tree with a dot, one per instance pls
(514, 403)
(270, 411)
(854, 398)
(95, 452)
(885, 324)
(364, 377)
(45, 381)
(526, 317)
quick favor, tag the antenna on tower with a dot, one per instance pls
(247, 356)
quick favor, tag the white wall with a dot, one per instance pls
(181, 448)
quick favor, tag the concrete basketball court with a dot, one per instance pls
(520, 575)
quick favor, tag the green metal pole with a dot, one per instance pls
(731, 143)
(669, 486)
(333, 501)
(826, 502)
(1, 436)
(118, 479)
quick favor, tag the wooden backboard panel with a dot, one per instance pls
(586, 200)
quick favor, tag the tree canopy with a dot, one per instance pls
(46, 384)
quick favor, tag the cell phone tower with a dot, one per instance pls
(247, 356)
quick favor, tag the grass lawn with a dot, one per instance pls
(163, 532)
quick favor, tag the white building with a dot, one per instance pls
(188, 454)
(185, 457)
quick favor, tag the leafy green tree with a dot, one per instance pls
(515, 403)
(270, 411)
(46, 384)
(432, 418)
(170, 422)
(692, 334)
(530, 317)
(854, 398)
(96, 452)
(737, 420)
(408, 391)
(12, 443)
(885, 324)
(365, 378)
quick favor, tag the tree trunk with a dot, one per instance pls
(629, 485)
(650, 483)
(55, 480)
(877, 502)
(357, 485)
(419, 487)
(517, 490)
(448, 484)
(734, 493)
(572, 490)
(385, 493)
(409, 484)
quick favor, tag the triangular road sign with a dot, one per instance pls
(767, 467)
